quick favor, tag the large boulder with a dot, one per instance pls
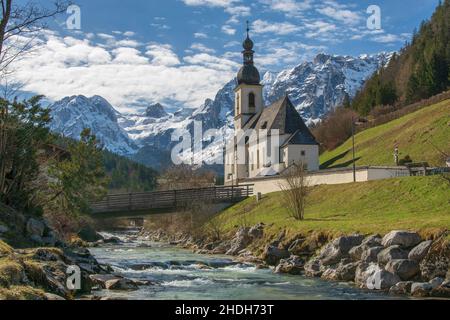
(272, 255)
(344, 272)
(420, 251)
(371, 254)
(443, 291)
(121, 284)
(405, 269)
(405, 239)
(363, 272)
(313, 268)
(293, 265)
(240, 241)
(401, 288)
(437, 261)
(391, 253)
(369, 242)
(339, 249)
(257, 232)
(35, 227)
(422, 289)
(382, 280)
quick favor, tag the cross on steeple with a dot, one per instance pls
(248, 28)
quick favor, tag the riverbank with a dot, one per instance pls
(400, 263)
(176, 273)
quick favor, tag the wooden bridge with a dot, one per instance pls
(173, 199)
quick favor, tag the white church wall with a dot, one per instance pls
(330, 177)
(307, 154)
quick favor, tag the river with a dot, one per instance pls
(181, 274)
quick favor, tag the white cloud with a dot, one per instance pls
(124, 76)
(279, 28)
(162, 55)
(202, 48)
(342, 15)
(391, 38)
(228, 30)
(200, 35)
(288, 7)
(320, 30)
(211, 3)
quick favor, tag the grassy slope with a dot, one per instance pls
(376, 146)
(415, 203)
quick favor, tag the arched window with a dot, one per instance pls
(238, 102)
(251, 102)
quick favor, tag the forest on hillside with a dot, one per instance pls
(420, 70)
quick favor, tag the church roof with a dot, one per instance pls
(283, 116)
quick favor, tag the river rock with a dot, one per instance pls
(293, 265)
(272, 255)
(436, 282)
(420, 251)
(35, 227)
(369, 242)
(101, 279)
(391, 253)
(371, 254)
(112, 240)
(404, 239)
(405, 269)
(313, 268)
(363, 272)
(339, 249)
(257, 232)
(401, 288)
(53, 297)
(421, 289)
(240, 241)
(436, 263)
(443, 291)
(121, 284)
(382, 280)
(346, 272)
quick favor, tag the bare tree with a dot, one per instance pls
(186, 177)
(295, 190)
(20, 24)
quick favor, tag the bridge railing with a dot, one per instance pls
(170, 199)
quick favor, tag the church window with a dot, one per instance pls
(238, 102)
(251, 102)
(303, 153)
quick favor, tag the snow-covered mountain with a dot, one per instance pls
(315, 88)
(73, 114)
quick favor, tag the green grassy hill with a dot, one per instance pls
(413, 133)
(414, 203)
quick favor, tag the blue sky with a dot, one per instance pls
(180, 52)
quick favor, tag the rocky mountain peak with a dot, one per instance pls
(156, 111)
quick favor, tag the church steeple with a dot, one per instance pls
(248, 73)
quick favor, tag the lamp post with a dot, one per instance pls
(353, 149)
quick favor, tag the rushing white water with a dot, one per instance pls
(181, 274)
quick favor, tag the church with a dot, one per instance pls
(267, 140)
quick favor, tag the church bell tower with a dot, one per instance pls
(249, 91)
